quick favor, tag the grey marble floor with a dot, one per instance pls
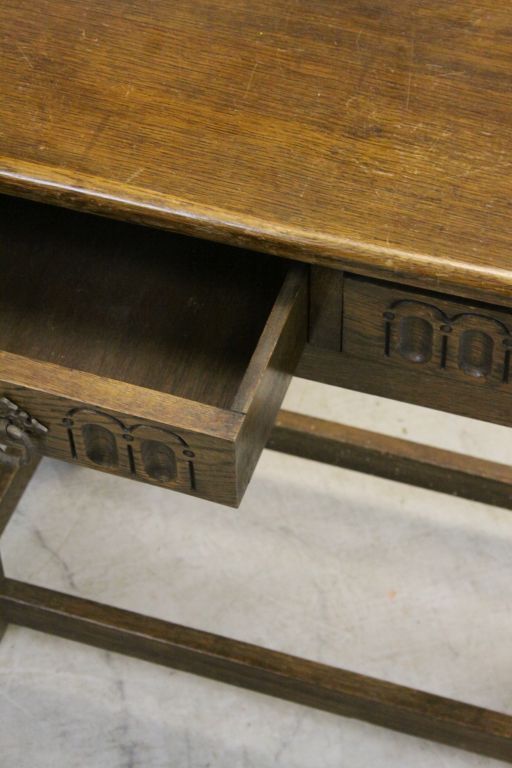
(384, 579)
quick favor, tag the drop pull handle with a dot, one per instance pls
(19, 435)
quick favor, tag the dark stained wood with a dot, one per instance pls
(131, 345)
(410, 385)
(293, 294)
(50, 384)
(372, 138)
(422, 347)
(161, 311)
(270, 372)
(305, 682)
(458, 341)
(325, 308)
(369, 136)
(393, 458)
(249, 666)
(13, 481)
(50, 392)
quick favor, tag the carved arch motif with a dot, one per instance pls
(475, 344)
(151, 453)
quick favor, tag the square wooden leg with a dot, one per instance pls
(13, 481)
(249, 666)
(299, 680)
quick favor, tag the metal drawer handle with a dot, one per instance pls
(20, 431)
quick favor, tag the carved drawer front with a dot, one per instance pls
(140, 353)
(408, 329)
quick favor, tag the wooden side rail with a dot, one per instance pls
(392, 458)
(305, 682)
(13, 481)
(249, 666)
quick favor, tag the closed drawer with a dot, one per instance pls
(152, 356)
(452, 338)
(422, 347)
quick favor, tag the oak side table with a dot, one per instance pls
(200, 200)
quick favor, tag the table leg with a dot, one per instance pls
(249, 666)
(299, 680)
(401, 460)
(13, 481)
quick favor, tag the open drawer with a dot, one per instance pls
(143, 353)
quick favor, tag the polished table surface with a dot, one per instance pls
(369, 136)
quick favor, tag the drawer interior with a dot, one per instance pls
(169, 313)
(144, 353)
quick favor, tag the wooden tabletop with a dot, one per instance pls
(374, 135)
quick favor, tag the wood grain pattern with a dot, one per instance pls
(422, 347)
(370, 136)
(145, 353)
(410, 385)
(130, 303)
(306, 682)
(294, 294)
(275, 361)
(366, 137)
(392, 458)
(457, 341)
(249, 666)
(13, 481)
(51, 392)
(464, 367)
(325, 308)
